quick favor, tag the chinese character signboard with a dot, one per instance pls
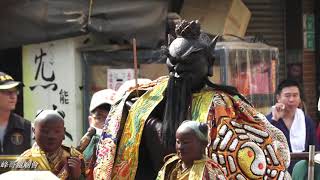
(308, 32)
(116, 77)
(51, 77)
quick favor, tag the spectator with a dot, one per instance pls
(298, 128)
(100, 106)
(15, 131)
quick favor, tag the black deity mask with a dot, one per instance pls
(189, 41)
(190, 59)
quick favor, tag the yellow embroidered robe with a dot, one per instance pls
(56, 163)
(203, 169)
(242, 140)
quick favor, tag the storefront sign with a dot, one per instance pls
(308, 34)
(116, 77)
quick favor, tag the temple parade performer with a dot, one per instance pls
(136, 139)
(190, 161)
(48, 153)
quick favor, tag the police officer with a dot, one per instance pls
(15, 131)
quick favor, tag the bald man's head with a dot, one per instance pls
(49, 130)
(48, 115)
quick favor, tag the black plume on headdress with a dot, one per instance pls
(188, 30)
(61, 113)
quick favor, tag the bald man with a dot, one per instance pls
(190, 162)
(48, 152)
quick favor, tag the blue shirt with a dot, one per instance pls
(310, 131)
(310, 135)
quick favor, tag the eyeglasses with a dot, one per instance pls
(10, 92)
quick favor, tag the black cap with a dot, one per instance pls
(7, 82)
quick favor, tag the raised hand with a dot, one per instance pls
(74, 165)
(278, 111)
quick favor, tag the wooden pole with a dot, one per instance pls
(135, 62)
(90, 11)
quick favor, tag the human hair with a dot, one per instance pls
(200, 129)
(288, 83)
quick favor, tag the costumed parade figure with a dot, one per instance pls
(138, 135)
(190, 161)
(48, 153)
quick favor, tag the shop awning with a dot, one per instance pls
(32, 21)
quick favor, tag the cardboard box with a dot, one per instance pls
(218, 16)
(153, 71)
